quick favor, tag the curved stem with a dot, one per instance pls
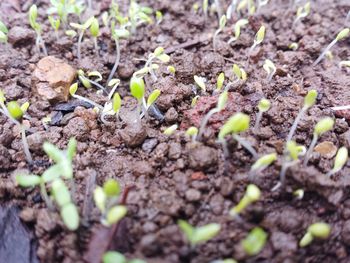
(205, 121)
(218, 8)
(257, 121)
(324, 52)
(246, 145)
(25, 145)
(295, 124)
(116, 63)
(311, 148)
(88, 101)
(252, 47)
(46, 197)
(79, 44)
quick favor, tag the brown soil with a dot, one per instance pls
(171, 178)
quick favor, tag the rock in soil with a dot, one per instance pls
(52, 78)
(21, 36)
(133, 135)
(326, 149)
(202, 157)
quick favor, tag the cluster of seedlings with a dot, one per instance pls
(59, 178)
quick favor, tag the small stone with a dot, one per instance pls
(198, 176)
(193, 195)
(174, 151)
(76, 127)
(28, 215)
(52, 78)
(142, 168)
(133, 135)
(326, 149)
(149, 145)
(20, 36)
(126, 69)
(171, 115)
(202, 157)
(36, 140)
(5, 158)
(217, 204)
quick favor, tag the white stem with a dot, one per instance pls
(225, 148)
(96, 45)
(205, 121)
(246, 145)
(116, 63)
(324, 52)
(295, 124)
(311, 148)
(88, 101)
(218, 9)
(257, 121)
(79, 44)
(25, 145)
(252, 47)
(347, 107)
(215, 37)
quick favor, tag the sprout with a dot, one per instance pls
(87, 83)
(251, 195)
(302, 12)
(72, 91)
(171, 69)
(262, 3)
(255, 241)
(82, 28)
(340, 160)
(95, 31)
(62, 169)
(231, 9)
(309, 101)
(263, 106)
(299, 194)
(319, 230)
(321, 127)
(270, 69)
(293, 46)
(220, 81)
(344, 63)
(259, 37)
(159, 17)
(240, 75)
(170, 130)
(55, 23)
(223, 97)
(192, 132)
(205, 7)
(106, 200)
(222, 24)
(194, 101)
(236, 124)
(200, 82)
(341, 35)
(15, 112)
(197, 235)
(262, 163)
(137, 89)
(33, 14)
(138, 15)
(3, 32)
(237, 30)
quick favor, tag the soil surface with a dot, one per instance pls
(169, 177)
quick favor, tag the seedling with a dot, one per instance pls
(33, 14)
(262, 3)
(231, 9)
(55, 23)
(237, 30)
(259, 38)
(197, 235)
(159, 17)
(62, 169)
(240, 74)
(321, 127)
(15, 113)
(3, 32)
(341, 35)
(171, 69)
(87, 82)
(137, 89)
(236, 124)
(222, 24)
(138, 15)
(194, 101)
(170, 130)
(302, 12)
(293, 46)
(261, 164)
(63, 8)
(270, 68)
(95, 31)
(299, 194)
(192, 132)
(222, 100)
(251, 195)
(309, 101)
(200, 81)
(344, 63)
(116, 257)
(220, 81)
(72, 91)
(106, 200)
(82, 28)
(205, 5)
(263, 106)
(340, 160)
(255, 241)
(319, 230)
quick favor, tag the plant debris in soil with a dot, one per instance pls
(166, 174)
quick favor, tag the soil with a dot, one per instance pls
(168, 177)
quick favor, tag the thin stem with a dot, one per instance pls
(79, 44)
(295, 124)
(114, 69)
(311, 148)
(25, 145)
(257, 121)
(88, 101)
(252, 47)
(246, 145)
(285, 166)
(97, 85)
(324, 52)
(270, 76)
(215, 37)
(347, 107)
(225, 148)
(205, 121)
(96, 45)
(218, 8)
(46, 197)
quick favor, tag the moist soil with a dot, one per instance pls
(167, 178)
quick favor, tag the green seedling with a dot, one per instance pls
(222, 24)
(293, 46)
(261, 164)
(33, 14)
(340, 160)
(95, 32)
(231, 9)
(3, 32)
(299, 194)
(236, 124)
(159, 17)
(71, 33)
(222, 100)
(262, 3)
(197, 235)
(259, 38)
(137, 89)
(171, 70)
(205, 5)
(159, 56)
(192, 132)
(138, 15)
(302, 12)
(291, 158)
(251, 7)
(55, 24)
(254, 242)
(72, 91)
(319, 230)
(116, 257)
(82, 28)
(194, 101)
(341, 35)
(237, 29)
(251, 195)
(263, 106)
(62, 169)
(106, 200)
(220, 81)
(170, 130)
(65, 7)
(270, 68)
(309, 101)
(240, 75)
(200, 81)
(195, 7)
(15, 113)
(344, 63)
(87, 82)
(321, 127)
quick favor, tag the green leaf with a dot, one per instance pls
(192, 131)
(137, 88)
(264, 105)
(73, 89)
(237, 71)
(164, 58)
(255, 241)
(70, 216)
(94, 28)
(264, 161)
(324, 125)
(320, 230)
(343, 34)
(253, 193)
(71, 148)
(111, 188)
(77, 26)
(153, 97)
(294, 150)
(28, 180)
(236, 124)
(14, 109)
(186, 228)
(200, 82)
(95, 74)
(158, 51)
(71, 33)
(117, 102)
(205, 233)
(113, 82)
(2, 97)
(170, 130)
(260, 35)
(3, 28)
(100, 199)
(121, 33)
(116, 213)
(53, 152)
(113, 257)
(61, 193)
(223, 21)
(51, 173)
(25, 106)
(340, 159)
(3, 37)
(220, 81)
(310, 98)
(33, 13)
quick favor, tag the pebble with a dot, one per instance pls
(326, 149)
(171, 115)
(174, 151)
(28, 215)
(20, 36)
(143, 168)
(149, 145)
(202, 157)
(133, 135)
(193, 195)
